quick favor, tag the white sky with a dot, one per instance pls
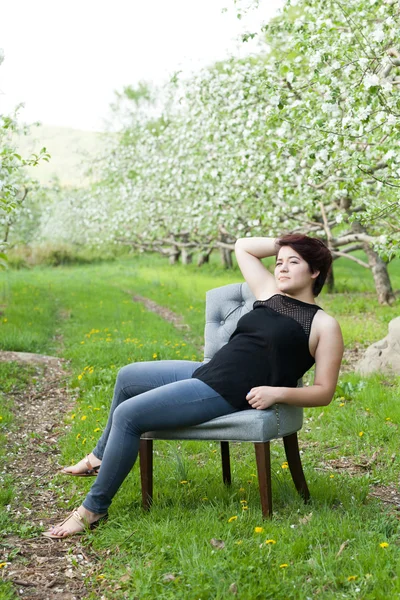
(64, 59)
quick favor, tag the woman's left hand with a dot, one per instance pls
(262, 397)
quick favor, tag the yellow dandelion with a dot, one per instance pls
(270, 542)
(331, 476)
(352, 578)
(244, 507)
(83, 418)
(205, 498)
(83, 441)
(183, 481)
(238, 542)
(388, 419)
(100, 577)
(384, 544)
(73, 416)
(242, 490)
(2, 565)
(283, 566)
(231, 519)
(361, 433)
(79, 377)
(341, 404)
(1, 418)
(243, 502)
(97, 429)
(78, 435)
(284, 465)
(82, 342)
(4, 321)
(96, 408)
(155, 355)
(258, 529)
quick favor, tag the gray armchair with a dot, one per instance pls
(224, 307)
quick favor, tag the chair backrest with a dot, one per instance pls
(224, 307)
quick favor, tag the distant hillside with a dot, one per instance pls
(72, 151)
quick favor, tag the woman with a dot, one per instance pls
(271, 348)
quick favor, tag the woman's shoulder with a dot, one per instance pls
(326, 323)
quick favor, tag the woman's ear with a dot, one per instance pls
(315, 274)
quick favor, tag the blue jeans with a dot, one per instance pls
(148, 396)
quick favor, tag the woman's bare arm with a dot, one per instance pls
(249, 252)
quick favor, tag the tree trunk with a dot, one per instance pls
(330, 281)
(226, 256)
(381, 276)
(379, 270)
(204, 258)
(186, 257)
(174, 255)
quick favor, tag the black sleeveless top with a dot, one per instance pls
(268, 347)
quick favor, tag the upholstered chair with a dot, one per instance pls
(224, 307)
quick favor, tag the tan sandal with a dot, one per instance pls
(90, 472)
(78, 519)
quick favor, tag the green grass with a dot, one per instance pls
(88, 315)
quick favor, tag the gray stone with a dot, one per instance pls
(383, 356)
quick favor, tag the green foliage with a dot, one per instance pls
(303, 136)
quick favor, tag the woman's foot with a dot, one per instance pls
(77, 522)
(87, 467)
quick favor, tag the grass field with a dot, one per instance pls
(344, 544)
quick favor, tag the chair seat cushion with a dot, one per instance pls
(243, 426)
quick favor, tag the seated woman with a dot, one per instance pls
(271, 348)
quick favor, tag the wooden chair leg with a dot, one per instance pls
(146, 472)
(294, 461)
(226, 463)
(264, 477)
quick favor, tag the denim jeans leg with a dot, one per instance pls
(179, 404)
(140, 377)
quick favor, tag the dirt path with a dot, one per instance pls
(40, 568)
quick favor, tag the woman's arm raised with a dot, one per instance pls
(249, 252)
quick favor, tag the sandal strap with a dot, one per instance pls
(88, 463)
(76, 517)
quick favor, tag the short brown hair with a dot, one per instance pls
(313, 251)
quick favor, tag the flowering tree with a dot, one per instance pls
(304, 136)
(14, 183)
(333, 87)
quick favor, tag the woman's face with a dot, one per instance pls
(292, 272)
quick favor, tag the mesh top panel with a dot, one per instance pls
(302, 312)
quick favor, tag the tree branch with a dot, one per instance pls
(338, 254)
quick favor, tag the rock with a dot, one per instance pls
(31, 359)
(383, 356)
